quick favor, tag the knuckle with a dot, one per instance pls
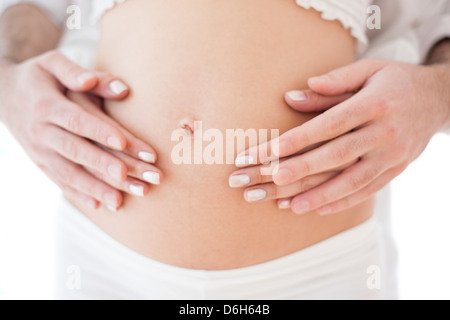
(70, 150)
(304, 168)
(331, 126)
(73, 122)
(381, 107)
(69, 175)
(100, 163)
(42, 108)
(391, 132)
(306, 184)
(339, 154)
(289, 143)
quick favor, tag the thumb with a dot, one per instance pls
(346, 79)
(69, 74)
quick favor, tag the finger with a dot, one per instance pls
(77, 120)
(72, 175)
(69, 74)
(110, 87)
(250, 177)
(80, 197)
(331, 124)
(134, 147)
(83, 152)
(139, 149)
(346, 79)
(361, 195)
(284, 204)
(310, 101)
(350, 181)
(129, 185)
(141, 170)
(331, 155)
(270, 191)
(263, 174)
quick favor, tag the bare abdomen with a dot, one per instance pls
(228, 65)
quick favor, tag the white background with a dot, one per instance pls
(421, 224)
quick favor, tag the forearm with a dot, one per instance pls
(440, 56)
(25, 32)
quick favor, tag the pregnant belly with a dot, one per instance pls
(227, 65)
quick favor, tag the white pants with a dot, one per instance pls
(92, 265)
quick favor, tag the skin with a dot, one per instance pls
(72, 145)
(382, 128)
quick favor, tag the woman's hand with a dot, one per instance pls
(56, 133)
(381, 129)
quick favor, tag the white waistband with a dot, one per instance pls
(87, 233)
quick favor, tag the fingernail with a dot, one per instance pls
(301, 207)
(114, 143)
(85, 77)
(283, 176)
(297, 96)
(118, 87)
(152, 177)
(147, 157)
(239, 181)
(256, 195)
(115, 171)
(323, 78)
(111, 208)
(285, 204)
(110, 200)
(137, 190)
(324, 211)
(243, 161)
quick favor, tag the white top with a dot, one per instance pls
(350, 13)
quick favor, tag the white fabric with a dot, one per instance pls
(409, 29)
(351, 14)
(91, 265)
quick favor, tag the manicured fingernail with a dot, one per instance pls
(85, 77)
(115, 171)
(243, 161)
(323, 78)
(118, 87)
(114, 143)
(285, 204)
(147, 157)
(301, 207)
(137, 190)
(324, 211)
(256, 195)
(239, 181)
(110, 200)
(283, 176)
(297, 96)
(152, 177)
(111, 208)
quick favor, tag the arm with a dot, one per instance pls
(55, 132)
(439, 56)
(27, 37)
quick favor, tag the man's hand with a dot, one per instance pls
(387, 113)
(57, 133)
